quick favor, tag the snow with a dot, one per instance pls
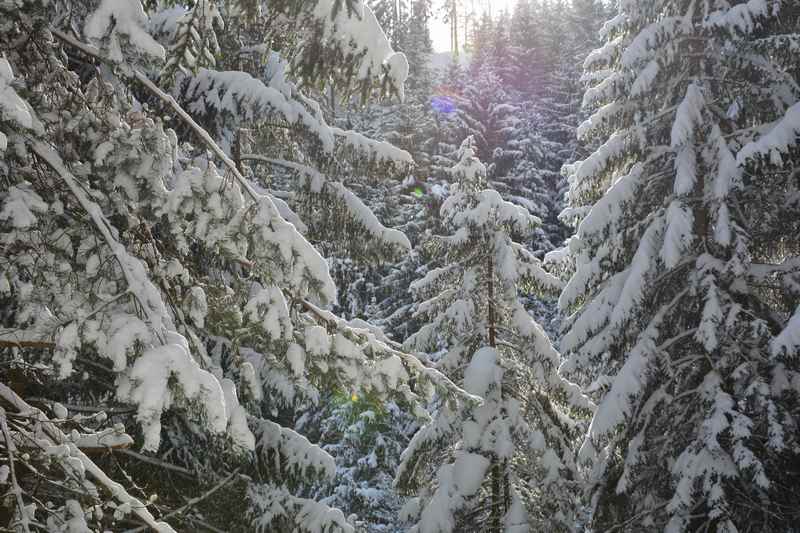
(711, 318)
(291, 449)
(618, 402)
(722, 227)
(482, 372)
(378, 151)
(641, 268)
(645, 79)
(780, 137)
(600, 118)
(743, 17)
(318, 342)
(268, 308)
(124, 331)
(648, 39)
(409, 512)
(363, 35)
(60, 411)
(368, 220)
(54, 444)
(66, 349)
(300, 262)
(685, 170)
(516, 519)
(108, 438)
(247, 97)
(689, 116)
(599, 160)
(250, 380)
(165, 21)
(729, 172)
(148, 385)
(197, 306)
(706, 460)
(678, 236)
(296, 357)
(189, 27)
(237, 417)
(613, 24)
(469, 168)
(392, 370)
(115, 18)
(604, 217)
(489, 210)
(21, 205)
(276, 504)
(602, 55)
(287, 213)
(787, 342)
(139, 283)
(12, 107)
(457, 482)
(469, 471)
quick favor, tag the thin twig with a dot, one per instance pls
(156, 462)
(57, 437)
(86, 409)
(193, 501)
(23, 519)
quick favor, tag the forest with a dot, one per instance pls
(288, 266)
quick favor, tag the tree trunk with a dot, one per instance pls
(498, 477)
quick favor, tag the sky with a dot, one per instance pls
(440, 32)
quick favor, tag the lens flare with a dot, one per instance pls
(443, 104)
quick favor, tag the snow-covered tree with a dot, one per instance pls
(150, 275)
(412, 129)
(466, 466)
(486, 113)
(381, 291)
(687, 272)
(447, 133)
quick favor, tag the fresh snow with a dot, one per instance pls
(482, 372)
(115, 18)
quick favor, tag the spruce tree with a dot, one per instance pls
(476, 468)
(683, 293)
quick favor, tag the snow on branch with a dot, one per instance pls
(290, 451)
(273, 505)
(781, 136)
(126, 18)
(12, 107)
(133, 270)
(743, 17)
(357, 212)
(788, 341)
(247, 99)
(49, 439)
(353, 34)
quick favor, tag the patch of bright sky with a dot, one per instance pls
(440, 32)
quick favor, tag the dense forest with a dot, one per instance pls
(273, 266)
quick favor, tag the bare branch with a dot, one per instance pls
(23, 519)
